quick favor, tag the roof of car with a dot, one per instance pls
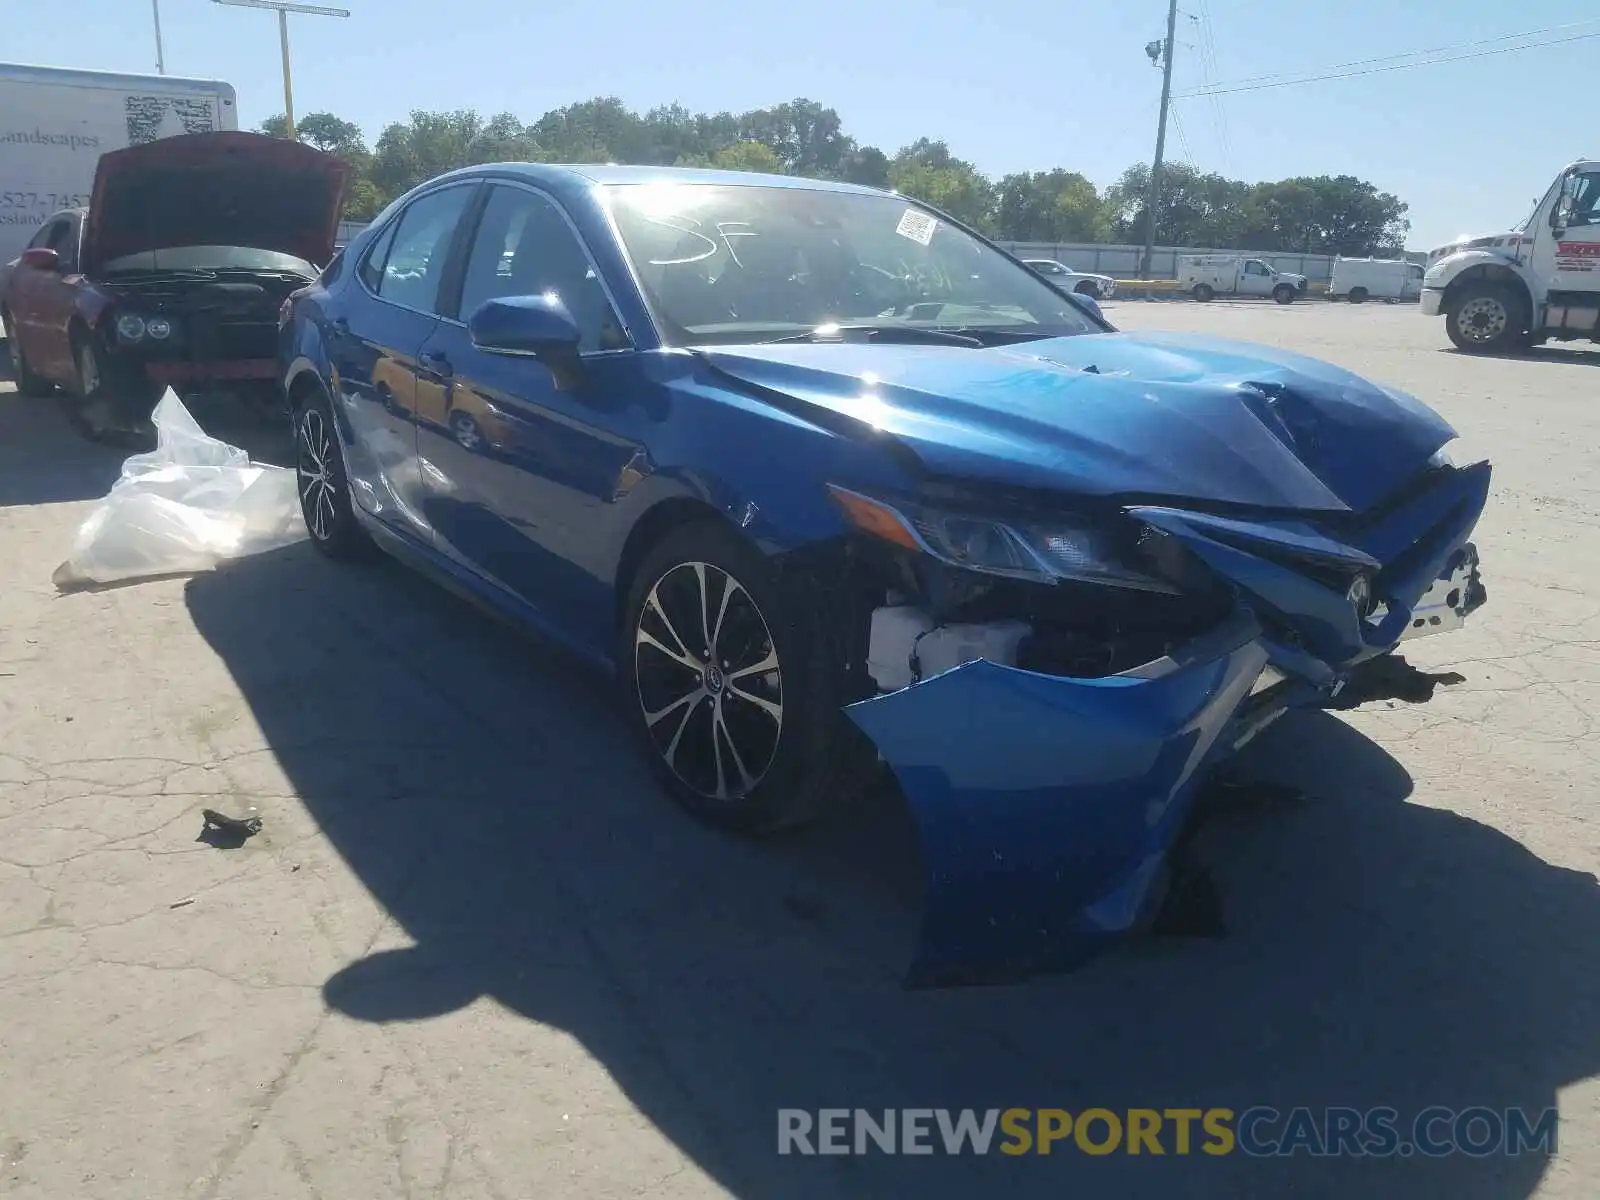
(610, 173)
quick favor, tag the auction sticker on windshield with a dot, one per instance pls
(918, 226)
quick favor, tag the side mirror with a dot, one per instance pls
(41, 258)
(538, 327)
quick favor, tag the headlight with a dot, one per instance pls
(158, 328)
(1040, 550)
(130, 328)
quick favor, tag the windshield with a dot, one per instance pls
(210, 258)
(748, 263)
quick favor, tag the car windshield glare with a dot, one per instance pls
(750, 262)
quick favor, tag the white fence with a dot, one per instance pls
(1123, 261)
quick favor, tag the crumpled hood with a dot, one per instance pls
(215, 189)
(1151, 415)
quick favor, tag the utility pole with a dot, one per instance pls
(1153, 200)
(283, 8)
(161, 57)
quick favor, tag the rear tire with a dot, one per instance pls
(1487, 318)
(322, 482)
(1358, 295)
(1203, 292)
(1284, 293)
(746, 734)
(28, 383)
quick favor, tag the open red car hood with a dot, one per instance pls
(215, 189)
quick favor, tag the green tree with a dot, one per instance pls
(748, 156)
(928, 171)
(1049, 206)
(343, 139)
(1196, 208)
(432, 143)
(807, 138)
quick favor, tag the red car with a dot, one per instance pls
(173, 275)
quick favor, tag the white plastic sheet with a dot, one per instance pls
(184, 507)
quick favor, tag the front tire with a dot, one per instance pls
(1486, 318)
(1088, 288)
(28, 383)
(322, 482)
(1284, 294)
(730, 687)
(110, 403)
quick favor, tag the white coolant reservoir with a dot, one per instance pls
(949, 646)
(906, 647)
(895, 633)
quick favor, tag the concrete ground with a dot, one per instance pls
(473, 953)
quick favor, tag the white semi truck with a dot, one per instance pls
(1511, 291)
(56, 123)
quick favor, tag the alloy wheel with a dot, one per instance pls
(708, 681)
(316, 470)
(1482, 319)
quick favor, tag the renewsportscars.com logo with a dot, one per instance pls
(1258, 1132)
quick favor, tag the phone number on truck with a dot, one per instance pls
(48, 202)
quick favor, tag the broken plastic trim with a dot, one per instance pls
(1046, 806)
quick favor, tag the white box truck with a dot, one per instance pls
(56, 123)
(1511, 291)
(1206, 275)
(1361, 279)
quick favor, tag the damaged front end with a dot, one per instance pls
(1052, 691)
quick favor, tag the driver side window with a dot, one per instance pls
(1586, 199)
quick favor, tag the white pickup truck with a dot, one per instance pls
(1511, 291)
(1204, 276)
(56, 123)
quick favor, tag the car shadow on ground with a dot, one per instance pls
(1380, 952)
(43, 460)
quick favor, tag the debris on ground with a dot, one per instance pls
(225, 832)
(184, 507)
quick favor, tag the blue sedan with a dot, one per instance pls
(825, 478)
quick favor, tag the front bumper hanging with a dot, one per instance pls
(1046, 821)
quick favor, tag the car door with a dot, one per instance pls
(522, 475)
(1256, 279)
(1577, 249)
(41, 302)
(374, 337)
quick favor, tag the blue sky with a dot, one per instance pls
(1468, 145)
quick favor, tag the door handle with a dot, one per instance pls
(437, 362)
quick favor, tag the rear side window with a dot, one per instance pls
(372, 264)
(331, 272)
(415, 264)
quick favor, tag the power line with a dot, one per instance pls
(1210, 69)
(1339, 71)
